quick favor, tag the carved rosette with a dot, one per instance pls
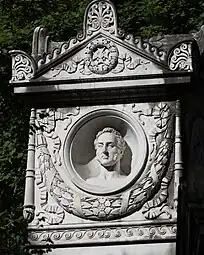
(102, 56)
(180, 58)
(23, 66)
(119, 204)
(100, 15)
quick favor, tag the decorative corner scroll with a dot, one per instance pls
(180, 58)
(23, 66)
(100, 15)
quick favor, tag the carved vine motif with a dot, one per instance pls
(46, 121)
(113, 207)
(158, 206)
(22, 67)
(100, 16)
(101, 57)
(52, 213)
(126, 61)
(160, 154)
(180, 58)
(46, 124)
(108, 234)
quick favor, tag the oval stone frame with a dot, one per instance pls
(139, 139)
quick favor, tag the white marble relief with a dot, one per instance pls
(112, 160)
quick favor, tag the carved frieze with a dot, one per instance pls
(146, 232)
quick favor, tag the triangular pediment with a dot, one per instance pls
(101, 56)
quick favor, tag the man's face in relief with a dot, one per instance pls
(107, 151)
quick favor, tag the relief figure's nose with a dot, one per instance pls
(104, 149)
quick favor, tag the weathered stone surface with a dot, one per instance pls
(106, 136)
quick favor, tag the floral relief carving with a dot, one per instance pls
(45, 126)
(100, 16)
(47, 120)
(101, 57)
(102, 207)
(117, 206)
(160, 155)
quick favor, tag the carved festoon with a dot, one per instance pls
(111, 204)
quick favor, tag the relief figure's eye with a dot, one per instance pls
(100, 145)
(111, 145)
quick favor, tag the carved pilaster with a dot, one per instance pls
(178, 163)
(29, 207)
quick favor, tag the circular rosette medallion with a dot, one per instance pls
(102, 56)
(105, 152)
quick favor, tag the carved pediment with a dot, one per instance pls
(103, 57)
(101, 50)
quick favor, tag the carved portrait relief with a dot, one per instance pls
(102, 149)
(106, 162)
(110, 147)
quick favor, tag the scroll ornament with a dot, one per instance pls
(109, 207)
(23, 66)
(181, 58)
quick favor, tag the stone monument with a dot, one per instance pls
(105, 149)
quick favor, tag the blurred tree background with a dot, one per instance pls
(64, 18)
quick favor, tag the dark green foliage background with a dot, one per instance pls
(64, 18)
